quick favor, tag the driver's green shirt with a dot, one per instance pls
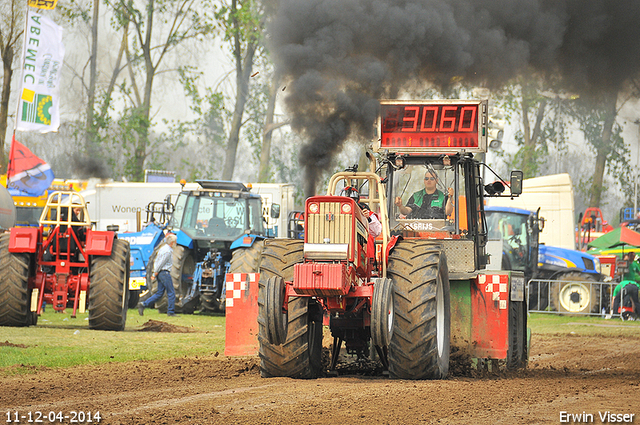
(425, 205)
(633, 273)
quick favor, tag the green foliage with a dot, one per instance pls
(256, 110)
(74, 10)
(240, 20)
(592, 118)
(201, 138)
(545, 127)
(174, 23)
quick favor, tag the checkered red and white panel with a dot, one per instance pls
(237, 285)
(497, 285)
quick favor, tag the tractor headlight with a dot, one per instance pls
(596, 265)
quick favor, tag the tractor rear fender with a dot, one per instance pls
(183, 239)
(24, 239)
(392, 243)
(99, 242)
(245, 241)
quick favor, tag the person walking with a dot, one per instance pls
(162, 273)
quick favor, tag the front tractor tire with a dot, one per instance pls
(15, 295)
(420, 343)
(382, 312)
(274, 318)
(300, 356)
(109, 289)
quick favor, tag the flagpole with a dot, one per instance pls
(24, 53)
(15, 121)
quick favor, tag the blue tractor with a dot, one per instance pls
(143, 245)
(568, 272)
(220, 229)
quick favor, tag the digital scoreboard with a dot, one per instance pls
(441, 126)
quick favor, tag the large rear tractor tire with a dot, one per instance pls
(15, 296)
(184, 266)
(578, 296)
(301, 354)
(152, 283)
(420, 343)
(109, 288)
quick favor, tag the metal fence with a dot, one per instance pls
(570, 297)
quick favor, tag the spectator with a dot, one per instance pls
(633, 269)
(630, 289)
(162, 272)
(375, 227)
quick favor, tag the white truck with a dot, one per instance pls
(123, 204)
(553, 194)
(275, 193)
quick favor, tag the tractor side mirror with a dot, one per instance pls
(275, 211)
(516, 182)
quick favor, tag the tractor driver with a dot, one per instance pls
(427, 203)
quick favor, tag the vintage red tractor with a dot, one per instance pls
(418, 289)
(65, 264)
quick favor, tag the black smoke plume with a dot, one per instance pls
(339, 57)
(86, 166)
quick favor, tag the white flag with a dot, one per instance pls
(39, 103)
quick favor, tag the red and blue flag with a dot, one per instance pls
(27, 172)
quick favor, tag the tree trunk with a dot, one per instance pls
(604, 150)
(144, 111)
(114, 76)
(598, 175)
(265, 152)
(7, 61)
(91, 133)
(529, 160)
(243, 73)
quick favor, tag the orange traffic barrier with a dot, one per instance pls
(241, 325)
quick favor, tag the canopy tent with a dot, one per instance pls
(616, 242)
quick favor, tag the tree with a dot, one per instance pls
(541, 110)
(597, 119)
(243, 23)
(11, 29)
(157, 28)
(197, 145)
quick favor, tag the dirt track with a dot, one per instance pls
(568, 373)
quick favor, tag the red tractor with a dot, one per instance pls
(65, 264)
(419, 288)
